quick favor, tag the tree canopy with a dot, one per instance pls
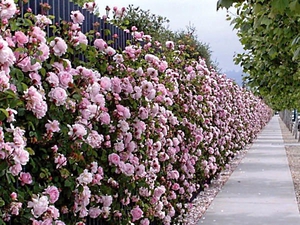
(269, 33)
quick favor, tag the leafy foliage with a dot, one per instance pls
(119, 136)
(269, 33)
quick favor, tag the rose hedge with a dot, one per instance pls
(125, 137)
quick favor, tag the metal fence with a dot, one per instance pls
(292, 122)
(61, 9)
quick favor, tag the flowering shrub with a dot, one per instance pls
(125, 137)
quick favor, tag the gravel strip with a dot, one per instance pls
(293, 155)
(205, 198)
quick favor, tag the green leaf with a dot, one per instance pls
(224, 3)
(68, 183)
(4, 112)
(18, 74)
(296, 53)
(10, 94)
(3, 166)
(279, 5)
(295, 6)
(266, 21)
(24, 86)
(2, 202)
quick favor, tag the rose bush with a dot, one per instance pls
(123, 137)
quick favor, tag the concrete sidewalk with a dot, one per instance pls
(260, 191)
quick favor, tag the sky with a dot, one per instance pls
(211, 25)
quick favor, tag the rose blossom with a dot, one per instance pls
(52, 79)
(100, 44)
(21, 156)
(11, 115)
(52, 212)
(136, 213)
(14, 196)
(77, 130)
(53, 193)
(85, 177)
(77, 17)
(94, 212)
(39, 205)
(15, 169)
(52, 126)
(6, 54)
(89, 6)
(35, 102)
(8, 9)
(114, 158)
(60, 160)
(21, 38)
(4, 81)
(42, 20)
(58, 95)
(59, 46)
(25, 178)
(65, 78)
(145, 221)
(106, 200)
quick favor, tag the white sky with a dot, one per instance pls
(211, 25)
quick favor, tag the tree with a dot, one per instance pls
(269, 33)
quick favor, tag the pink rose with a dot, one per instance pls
(104, 118)
(145, 222)
(100, 44)
(114, 158)
(4, 81)
(52, 126)
(105, 83)
(58, 95)
(6, 54)
(14, 196)
(106, 200)
(39, 205)
(110, 51)
(136, 213)
(52, 79)
(25, 178)
(65, 78)
(129, 169)
(53, 213)
(15, 169)
(59, 46)
(77, 17)
(45, 52)
(21, 38)
(94, 212)
(77, 130)
(20, 155)
(8, 9)
(60, 160)
(53, 193)
(123, 112)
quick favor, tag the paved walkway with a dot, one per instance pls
(260, 191)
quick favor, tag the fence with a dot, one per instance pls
(61, 9)
(291, 120)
